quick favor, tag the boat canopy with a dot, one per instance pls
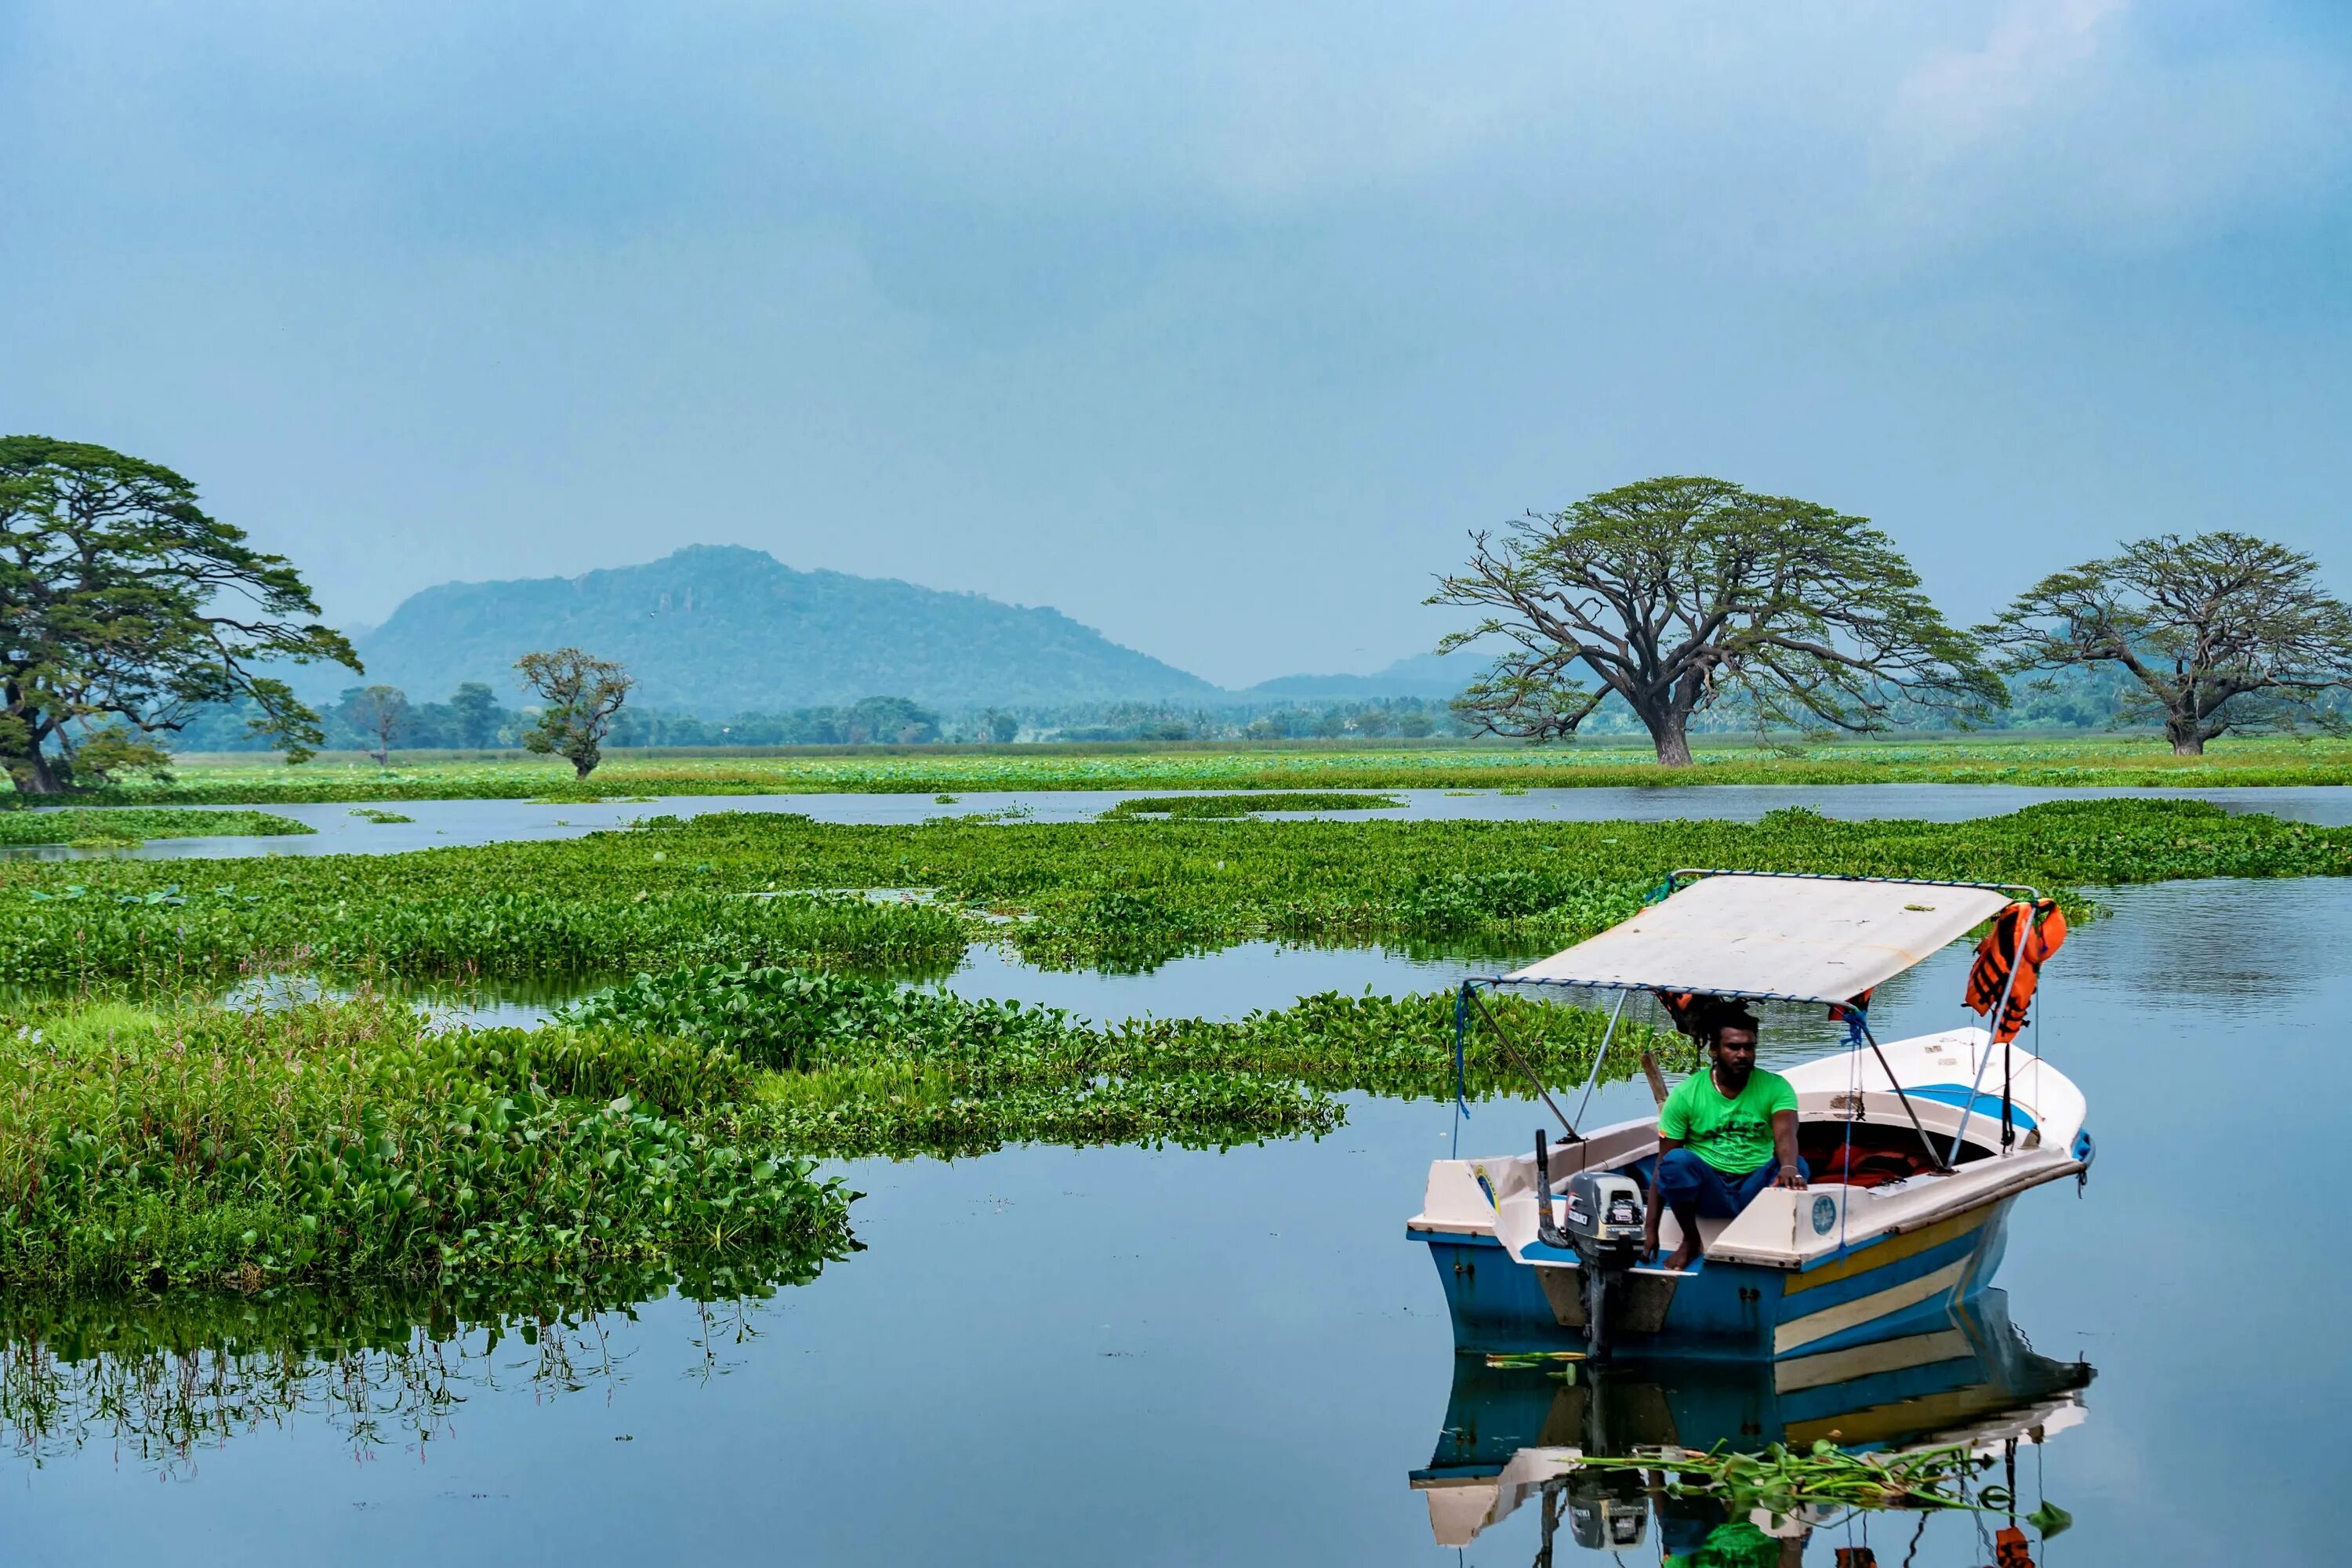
(1774, 936)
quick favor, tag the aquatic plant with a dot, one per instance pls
(861, 1067)
(758, 888)
(1229, 806)
(133, 825)
(342, 1140)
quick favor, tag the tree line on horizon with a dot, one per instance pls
(132, 617)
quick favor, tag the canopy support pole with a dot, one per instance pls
(1597, 1058)
(1925, 1142)
(1520, 1062)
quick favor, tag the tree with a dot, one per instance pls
(475, 715)
(381, 715)
(2221, 632)
(580, 695)
(1002, 726)
(1674, 592)
(123, 605)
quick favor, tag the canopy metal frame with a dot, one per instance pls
(1468, 998)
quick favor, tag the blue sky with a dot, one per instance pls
(1213, 326)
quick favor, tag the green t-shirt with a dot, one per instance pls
(1735, 1136)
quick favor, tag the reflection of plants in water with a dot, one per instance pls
(162, 1378)
(1780, 1481)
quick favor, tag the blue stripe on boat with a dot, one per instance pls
(1957, 1094)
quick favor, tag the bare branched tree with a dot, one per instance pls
(2223, 632)
(1674, 592)
(381, 713)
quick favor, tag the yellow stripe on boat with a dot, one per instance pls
(1894, 1249)
(1862, 1310)
(1902, 1420)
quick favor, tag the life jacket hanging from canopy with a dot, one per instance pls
(2023, 938)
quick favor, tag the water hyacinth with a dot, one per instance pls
(866, 1068)
(344, 1141)
(77, 826)
(765, 888)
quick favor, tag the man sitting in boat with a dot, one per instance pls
(1724, 1135)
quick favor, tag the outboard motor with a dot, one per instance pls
(1607, 1510)
(1605, 1229)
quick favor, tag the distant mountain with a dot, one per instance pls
(720, 630)
(1427, 675)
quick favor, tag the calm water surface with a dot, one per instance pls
(1078, 1356)
(440, 823)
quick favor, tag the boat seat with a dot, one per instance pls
(1871, 1167)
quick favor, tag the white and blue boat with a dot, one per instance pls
(1918, 1147)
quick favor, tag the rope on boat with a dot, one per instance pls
(1516, 1060)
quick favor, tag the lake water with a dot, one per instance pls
(1050, 1356)
(442, 823)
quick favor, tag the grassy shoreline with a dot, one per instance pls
(2095, 760)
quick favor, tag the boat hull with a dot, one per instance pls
(1725, 1311)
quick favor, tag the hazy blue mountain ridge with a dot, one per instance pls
(720, 629)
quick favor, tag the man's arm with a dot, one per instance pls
(1650, 1214)
(1784, 1143)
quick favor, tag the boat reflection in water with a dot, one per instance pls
(1516, 1432)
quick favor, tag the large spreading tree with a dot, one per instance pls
(1676, 593)
(2221, 632)
(124, 609)
(580, 694)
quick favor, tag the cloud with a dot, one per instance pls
(2081, 120)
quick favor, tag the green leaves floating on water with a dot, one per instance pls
(2050, 1520)
(866, 1068)
(130, 826)
(1082, 894)
(343, 1141)
(1205, 806)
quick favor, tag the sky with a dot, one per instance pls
(1217, 327)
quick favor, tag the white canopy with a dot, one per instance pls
(1806, 939)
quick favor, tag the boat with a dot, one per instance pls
(1518, 1430)
(1918, 1147)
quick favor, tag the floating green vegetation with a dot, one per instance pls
(1780, 1480)
(662, 1124)
(2041, 761)
(108, 828)
(1180, 806)
(344, 1141)
(864, 1068)
(380, 816)
(1132, 893)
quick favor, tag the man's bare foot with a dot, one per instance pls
(1683, 1256)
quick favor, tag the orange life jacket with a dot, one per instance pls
(1999, 951)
